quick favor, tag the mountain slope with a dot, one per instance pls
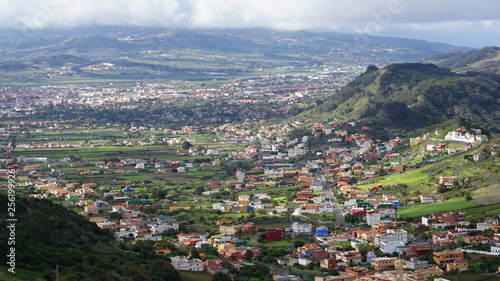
(48, 235)
(486, 59)
(302, 45)
(410, 96)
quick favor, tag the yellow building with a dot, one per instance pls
(224, 246)
(227, 229)
(458, 265)
(447, 256)
(414, 142)
(430, 272)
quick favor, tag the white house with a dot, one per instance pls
(416, 264)
(373, 218)
(301, 228)
(430, 198)
(159, 228)
(392, 236)
(304, 261)
(495, 248)
(181, 263)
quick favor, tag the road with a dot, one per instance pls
(336, 208)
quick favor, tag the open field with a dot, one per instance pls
(412, 178)
(196, 276)
(483, 211)
(279, 244)
(458, 204)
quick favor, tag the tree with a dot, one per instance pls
(186, 145)
(165, 270)
(248, 255)
(109, 199)
(150, 210)
(195, 254)
(135, 272)
(115, 216)
(221, 276)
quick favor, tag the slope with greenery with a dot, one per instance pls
(486, 60)
(411, 96)
(48, 235)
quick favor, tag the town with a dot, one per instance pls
(253, 198)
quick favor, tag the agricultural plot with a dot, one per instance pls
(459, 204)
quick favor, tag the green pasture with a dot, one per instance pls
(457, 204)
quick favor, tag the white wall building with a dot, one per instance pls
(301, 228)
(373, 218)
(181, 263)
(159, 228)
(392, 236)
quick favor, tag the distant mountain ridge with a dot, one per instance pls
(486, 60)
(259, 41)
(413, 95)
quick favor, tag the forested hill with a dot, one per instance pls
(413, 95)
(47, 235)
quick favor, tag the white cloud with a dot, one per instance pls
(370, 16)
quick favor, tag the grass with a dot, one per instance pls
(279, 244)
(431, 208)
(196, 276)
(411, 178)
(483, 211)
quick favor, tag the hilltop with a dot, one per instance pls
(413, 95)
(485, 60)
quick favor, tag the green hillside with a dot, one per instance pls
(411, 96)
(48, 235)
(486, 60)
(477, 188)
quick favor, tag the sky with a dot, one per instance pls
(459, 22)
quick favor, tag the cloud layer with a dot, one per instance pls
(384, 17)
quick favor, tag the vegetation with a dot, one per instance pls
(411, 96)
(484, 60)
(49, 235)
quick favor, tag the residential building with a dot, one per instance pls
(274, 235)
(415, 264)
(159, 228)
(457, 265)
(181, 263)
(446, 219)
(321, 231)
(447, 256)
(331, 263)
(349, 257)
(91, 209)
(383, 263)
(392, 236)
(301, 228)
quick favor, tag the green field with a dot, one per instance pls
(458, 204)
(412, 178)
(483, 211)
(279, 244)
(195, 276)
